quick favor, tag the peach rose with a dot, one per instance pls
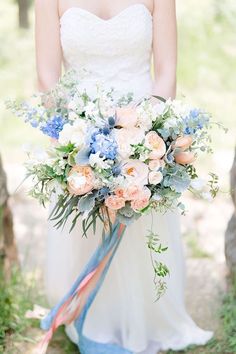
(185, 157)
(183, 142)
(136, 171)
(155, 143)
(114, 202)
(155, 177)
(126, 117)
(132, 192)
(80, 180)
(142, 201)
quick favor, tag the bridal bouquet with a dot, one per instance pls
(113, 158)
(130, 157)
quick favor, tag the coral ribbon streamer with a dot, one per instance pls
(75, 305)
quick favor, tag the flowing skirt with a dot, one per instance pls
(124, 311)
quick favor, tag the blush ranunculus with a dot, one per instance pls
(154, 165)
(80, 180)
(155, 177)
(119, 192)
(136, 172)
(132, 192)
(183, 142)
(114, 202)
(185, 157)
(156, 144)
(126, 117)
(142, 201)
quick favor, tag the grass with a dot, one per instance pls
(17, 295)
(225, 340)
(195, 249)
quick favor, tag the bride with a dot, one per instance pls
(114, 42)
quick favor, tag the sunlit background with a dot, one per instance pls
(206, 77)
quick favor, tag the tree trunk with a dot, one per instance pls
(8, 251)
(23, 8)
(230, 235)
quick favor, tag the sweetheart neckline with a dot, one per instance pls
(122, 12)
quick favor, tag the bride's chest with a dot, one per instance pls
(128, 33)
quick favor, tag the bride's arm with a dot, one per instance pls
(164, 48)
(48, 48)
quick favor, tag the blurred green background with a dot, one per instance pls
(207, 78)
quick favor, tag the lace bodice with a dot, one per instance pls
(115, 53)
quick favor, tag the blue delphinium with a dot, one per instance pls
(53, 126)
(102, 141)
(196, 120)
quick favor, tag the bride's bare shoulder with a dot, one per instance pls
(46, 6)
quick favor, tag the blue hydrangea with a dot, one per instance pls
(104, 144)
(53, 126)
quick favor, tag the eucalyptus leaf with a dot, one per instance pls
(82, 158)
(86, 203)
(177, 182)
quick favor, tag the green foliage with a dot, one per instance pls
(16, 297)
(161, 271)
(225, 340)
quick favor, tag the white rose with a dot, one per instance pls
(155, 177)
(159, 109)
(125, 137)
(74, 133)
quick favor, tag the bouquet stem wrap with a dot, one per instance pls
(77, 302)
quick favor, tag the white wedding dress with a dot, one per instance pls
(117, 53)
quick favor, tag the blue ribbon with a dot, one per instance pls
(86, 346)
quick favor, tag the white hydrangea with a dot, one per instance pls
(76, 104)
(96, 161)
(91, 110)
(180, 109)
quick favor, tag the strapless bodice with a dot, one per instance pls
(115, 53)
